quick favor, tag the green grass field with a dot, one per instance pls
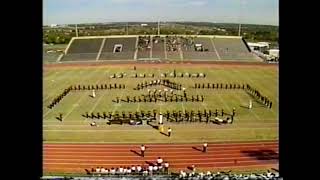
(259, 123)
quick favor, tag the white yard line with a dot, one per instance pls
(190, 79)
(252, 112)
(119, 164)
(151, 44)
(81, 96)
(215, 49)
(100, 50)
(95, 130)
(54, 85)
(251, 82)
(82, 79)
(136, 50)
(139, 142)
(165, 48)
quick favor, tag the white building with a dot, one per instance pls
(274, 52)
(262, 46)
(53, 25)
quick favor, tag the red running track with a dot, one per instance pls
(75, 158)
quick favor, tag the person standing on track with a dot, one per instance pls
(205, 145)
(142, 148)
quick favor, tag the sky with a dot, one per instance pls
(103, 11)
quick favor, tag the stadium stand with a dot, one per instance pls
(205, 49)
(126, 49)
(181, 175)
(83, 49)
(172, 48)
(232, 49)
(158, 51)
(144, 47)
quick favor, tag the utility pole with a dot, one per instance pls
(76, 30)
(127, 29)
(239, 34)
(158, 27)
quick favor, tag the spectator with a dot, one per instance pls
(103, 170)
(155, 169)
(139, 169)
(159, 161)
(193, 168)
(160, 169)
(128, 170)
(150, 168)
(208, 173)
(121, 170)
(145, 172)
(112, 171)
(133, 169)
(166, 167)
(98, 170)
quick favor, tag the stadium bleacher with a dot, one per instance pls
(172, 48)
(83, 50)
(208, 52)
(232, 49)
(128, 49)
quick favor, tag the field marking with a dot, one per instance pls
(165, 48)
(223, 141)
(54, 85)
(151, 45)
(201, 156)
(151, 130)
(172, 163)
(252, 112)
(269, 91)
(180, 52)
(73, 107)
(192, 81)
(123, 92)
(99, 99)
(252, 82)
(136, 49)
(215, 49)
(100, 50)
(239, 159)
(204, 125)
(70, 80)
(82, 79)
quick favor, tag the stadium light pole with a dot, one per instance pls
(127, 29)
(76, 30)
(239, 34)
(158, 27)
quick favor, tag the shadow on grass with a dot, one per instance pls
(153, 126)
(58, 118)
(264, 154)
(164, 134)
(255, 99)
(246, 107)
